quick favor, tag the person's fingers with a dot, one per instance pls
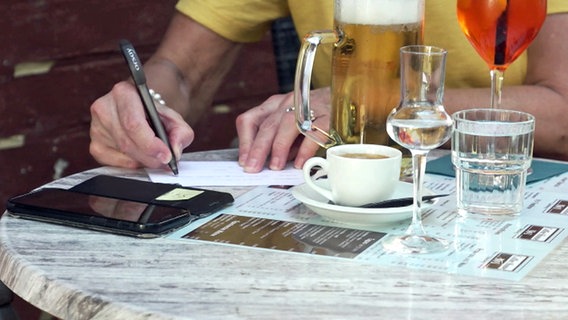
(121, 135)
(111, 156)
(320, 101)
(181, 135)
(262, 144)
(133, 135)
(269, 130)
(249, 126)
(103, 146)
(98, 131)
(283, 141)
(290, 144)
(307, 149)
(301, 147)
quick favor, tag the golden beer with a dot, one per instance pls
(366, 79)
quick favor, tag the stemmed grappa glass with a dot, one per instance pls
(500, 30)
(420, 124)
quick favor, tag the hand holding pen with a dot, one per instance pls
(135, 67)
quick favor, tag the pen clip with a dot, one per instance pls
(134, 63)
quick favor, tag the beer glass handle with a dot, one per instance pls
(302, 86)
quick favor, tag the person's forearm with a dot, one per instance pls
(189, 66)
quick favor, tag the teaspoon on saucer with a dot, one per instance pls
(400, 202)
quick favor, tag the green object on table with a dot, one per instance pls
(541, 169)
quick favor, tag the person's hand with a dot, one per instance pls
(121, 136)
(268, 130)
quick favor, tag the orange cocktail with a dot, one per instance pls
(500, 30)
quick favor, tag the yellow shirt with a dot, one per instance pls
(249, 20)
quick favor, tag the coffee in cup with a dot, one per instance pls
(357, 173)
(364, 156)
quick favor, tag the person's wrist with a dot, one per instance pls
(166, 79)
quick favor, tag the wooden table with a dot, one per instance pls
(79, 274)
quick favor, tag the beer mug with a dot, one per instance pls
(365, 84)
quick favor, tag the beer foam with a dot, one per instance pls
(380, 12)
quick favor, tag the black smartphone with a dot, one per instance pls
(97, 212)
(199, 202)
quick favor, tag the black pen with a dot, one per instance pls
(135, 66)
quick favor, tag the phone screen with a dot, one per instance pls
(77, 206)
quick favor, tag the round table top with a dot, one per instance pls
(81, 274)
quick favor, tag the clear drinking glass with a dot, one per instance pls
(492, 153)
(500, 31)
(420, 124)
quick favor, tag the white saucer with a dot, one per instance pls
(352, 215)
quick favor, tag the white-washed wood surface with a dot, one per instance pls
(80, 274)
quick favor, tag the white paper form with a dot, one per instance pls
(507, 249)
(225, 173)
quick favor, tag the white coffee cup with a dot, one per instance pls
(357, 173)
